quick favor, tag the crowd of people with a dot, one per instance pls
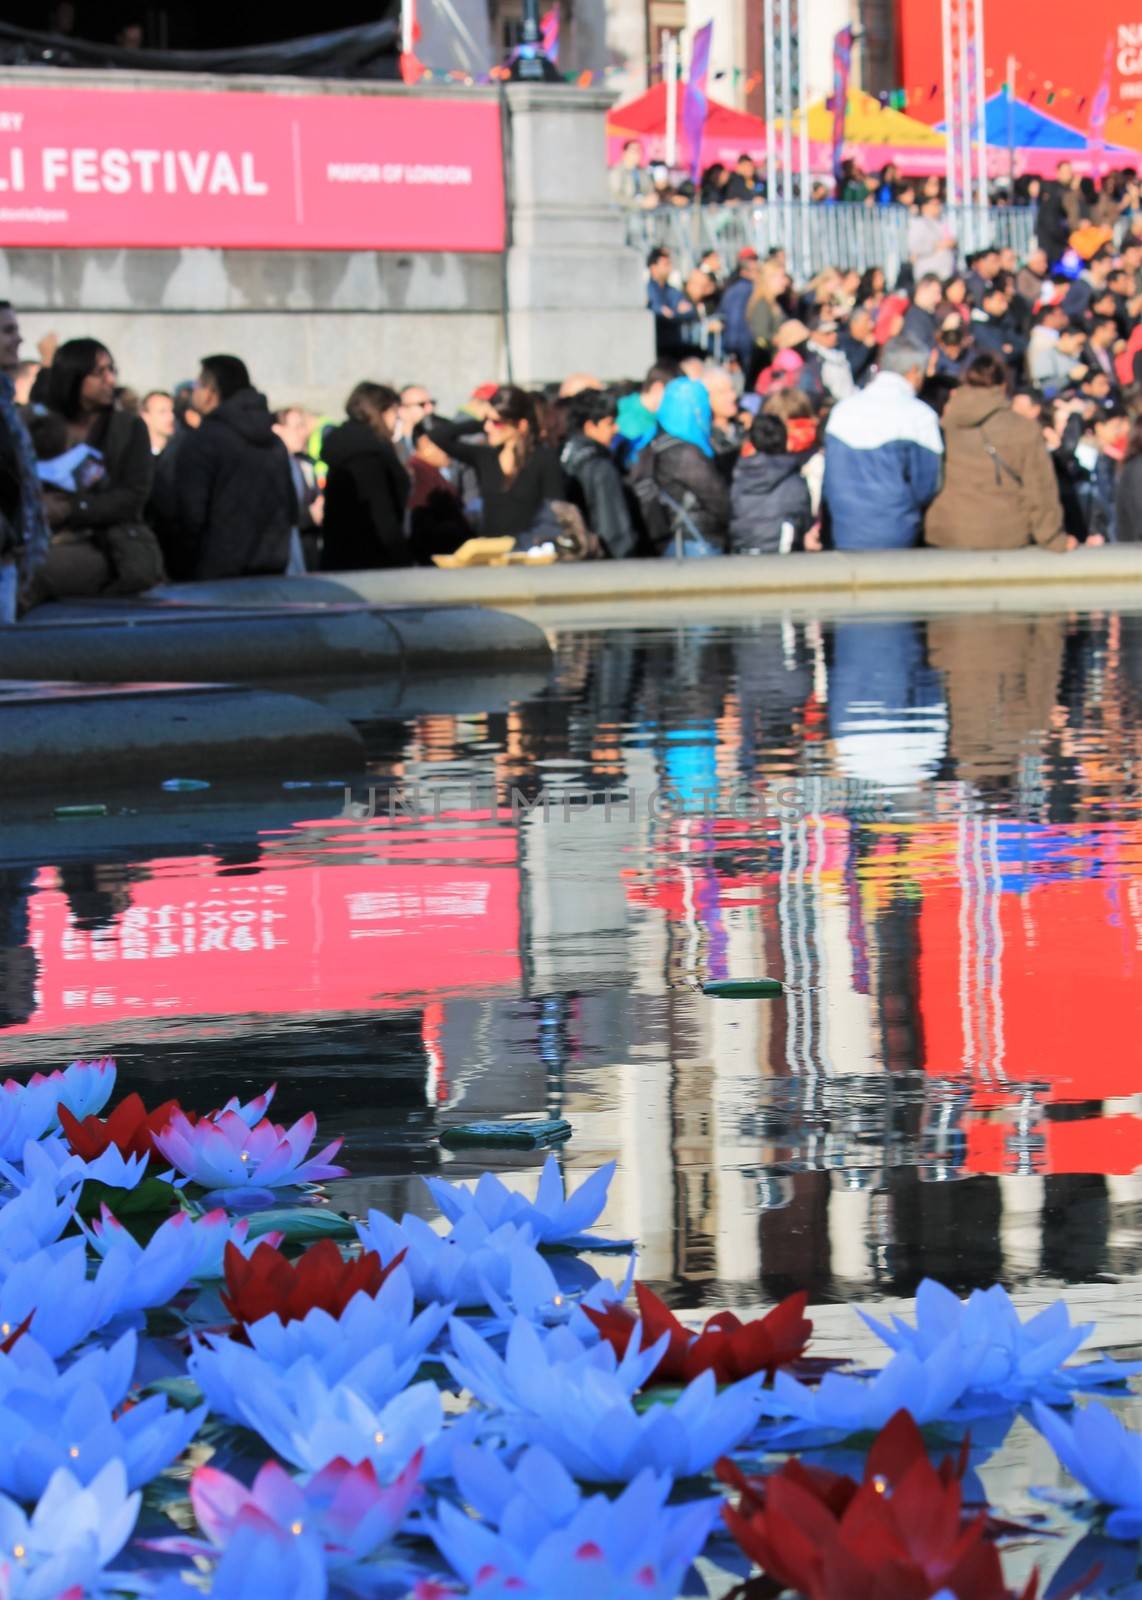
(996, 407)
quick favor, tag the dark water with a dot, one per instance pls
(930, 829)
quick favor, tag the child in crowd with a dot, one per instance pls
(771, 508)
(71, 470)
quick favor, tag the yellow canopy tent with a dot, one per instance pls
(869, 123)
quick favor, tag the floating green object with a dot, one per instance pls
(521, 1135)
(81, 811)
(744, 988)
(301, 1224)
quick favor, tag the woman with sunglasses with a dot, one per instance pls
(518, 475)
(80, 388)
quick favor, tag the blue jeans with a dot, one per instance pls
(9, 583)
(694, 548)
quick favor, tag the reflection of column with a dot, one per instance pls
(1020, 1225)
(739, 1044)
(850, 1243)
(643, 1202)
(981, 945)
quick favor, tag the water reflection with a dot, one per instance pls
(930, 829)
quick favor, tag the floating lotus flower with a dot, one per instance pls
(1104, 1456)
(842, 1405)
(581, 1411)
(467, 1266)
(82, 1436)
(228, 1154)
(375, 1347)
(727, 1347)
(34, 1217)
(270, 1284)
(907, 1538)
(53, 1284)
(29, 1110)
(130, 1128)
(346, 1510)
(50, 1158)
(28, 1369)
(181, 1250)
(1009, 1362)
(310, 1423)
(539, 1535)
(553, 1216)
(63, 1548)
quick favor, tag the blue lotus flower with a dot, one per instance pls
(1104, 1456)
(538, 1530)
(310, 1423)
(35, 1217)
(1009, 1362)
(51, 1158)
(181, 1250)
(53, 1287)
(66, 1543)
(82, 1436)
(29, 1110)
(468, 1265)
(553, 1217)
(375, 1347)
(928, 1387)
(576, 1404)
(28, 1369)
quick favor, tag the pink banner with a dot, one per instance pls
(149, 169)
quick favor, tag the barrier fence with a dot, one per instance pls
(816, 236)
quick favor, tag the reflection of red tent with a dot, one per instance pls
(287, 940)
(728, 134)
(1067, 961)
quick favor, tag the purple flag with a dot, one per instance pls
(838, 104)
(694, 104)
(549, 34)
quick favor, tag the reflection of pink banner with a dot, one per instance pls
(194, 942)
(152, 169)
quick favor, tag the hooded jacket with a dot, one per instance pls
(766, 492)
(365, 495)
(1000, 490)
(234, 495)
(597, 489)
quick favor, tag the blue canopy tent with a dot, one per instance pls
(1023, 126)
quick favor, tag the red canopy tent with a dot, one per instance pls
(728, 133)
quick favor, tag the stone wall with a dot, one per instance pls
(310, 324)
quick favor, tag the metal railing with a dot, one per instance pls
(817, 236)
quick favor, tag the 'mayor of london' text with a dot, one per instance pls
(395, 172)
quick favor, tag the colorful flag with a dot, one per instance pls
(694, 105)
(1100, 105)
(838, 104)
(549, 34)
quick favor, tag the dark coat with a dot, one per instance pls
(366, 492)
(920, 325)
(234, 492)
(999, 488)
(1129, 500)
(766, 492)
(119, 498)
(507, 506)
(597, 489)
(693, 482)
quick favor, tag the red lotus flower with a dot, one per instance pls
(902, 1534)
(130, 1127)
(268, 1283)
(727, 1347)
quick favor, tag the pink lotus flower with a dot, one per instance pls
(345, 1509)
(227, 1154)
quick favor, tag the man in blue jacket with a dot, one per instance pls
(883, 456)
